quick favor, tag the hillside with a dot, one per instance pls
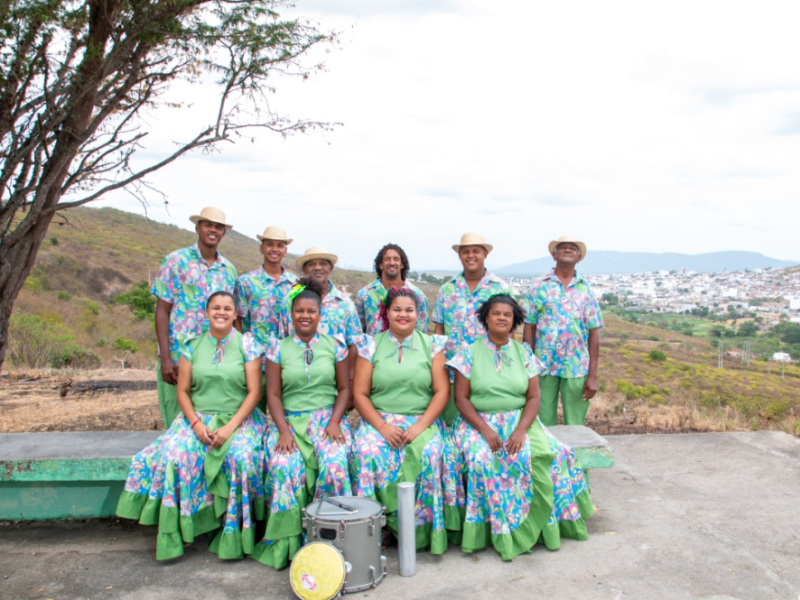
(604, 261)
(94, 254)
(103, 252)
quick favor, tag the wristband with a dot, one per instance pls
(195, 423)
(337, 421)
(381, 427)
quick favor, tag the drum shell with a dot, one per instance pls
(359, 541)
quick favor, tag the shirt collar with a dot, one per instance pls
(488, 277)
(224, 341)
(333, 293)
(217, 258)
(493, 347)
(551, 274)
(406, 344)
(268, 277)
(302, 344)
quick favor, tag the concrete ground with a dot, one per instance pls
(680, 516)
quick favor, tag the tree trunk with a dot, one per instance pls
(16, 261)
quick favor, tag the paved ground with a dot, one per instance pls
(680, 516)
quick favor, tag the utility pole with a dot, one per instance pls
(719, 358)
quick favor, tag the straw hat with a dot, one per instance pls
(568, 238)
(210, 213)
(473, 239)
(274, 233)
(317, 252)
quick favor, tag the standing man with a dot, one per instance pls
(391, 266)
(260, 293)
(338, 316)
(455, 313)
(184, 282)
(563, 329)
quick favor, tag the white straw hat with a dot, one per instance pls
(473, 239)
(314, 253)
(210, 213)
(274, 233)
(568, 239)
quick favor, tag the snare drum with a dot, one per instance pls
(353, 525)
(318, 572)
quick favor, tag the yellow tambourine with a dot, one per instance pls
(317, 572)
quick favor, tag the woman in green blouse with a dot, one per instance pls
(400, 390)
(308, 389)
(205, 473)
(523, 485)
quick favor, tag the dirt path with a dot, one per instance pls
(126, 400)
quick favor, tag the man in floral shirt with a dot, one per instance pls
(338, 316)
(562, 327)
(182, 286)
(455, 313)
(391, 266)
(260, 293)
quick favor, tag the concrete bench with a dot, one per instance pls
(65, 475)
(591, 449)
(81, 475)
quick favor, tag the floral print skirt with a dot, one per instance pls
(317, 470)
(378, 468)
(516, 501)
(187, 488)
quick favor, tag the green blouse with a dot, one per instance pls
(307, 387)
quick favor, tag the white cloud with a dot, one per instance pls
(637, 127)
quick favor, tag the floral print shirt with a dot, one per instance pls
(258, 301)
(457, 309)
(462, 361)
(368, 304)
(252, 349)
(338, 318)
(563, 318)
(367, 346)
(273, 349)
(186, 281)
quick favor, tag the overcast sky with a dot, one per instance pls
(636, 126)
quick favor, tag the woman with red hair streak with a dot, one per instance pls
(400, 390)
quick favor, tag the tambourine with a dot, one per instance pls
(318, 572)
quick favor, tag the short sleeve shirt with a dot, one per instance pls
(258, 300)
(370, 298)
(457, 309)
(186, 281)
(563, 318)
(338, 317)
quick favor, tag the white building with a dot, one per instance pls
(781, 357)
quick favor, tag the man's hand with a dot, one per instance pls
(589, 388)
(169, 371)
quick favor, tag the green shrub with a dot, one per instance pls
(54, 241)
(75, 357)
(139, 300)
(652, 338)
(93, 307)
(64, 296)
(657, 356)
(36, 342)
(125, 344)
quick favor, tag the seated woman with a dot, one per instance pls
(400, 390)
(308, 389)
(206, 471)
(522, 484)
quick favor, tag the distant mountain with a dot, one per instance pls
(603, 261)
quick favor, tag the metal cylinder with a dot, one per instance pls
(406, 537)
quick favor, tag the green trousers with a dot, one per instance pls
(167, 399)
(572, 402)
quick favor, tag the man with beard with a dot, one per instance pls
(391, 266)
(455, 313)
(563, 327)
(184, 282)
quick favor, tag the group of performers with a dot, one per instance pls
(461, 412)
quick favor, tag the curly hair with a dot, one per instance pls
(404, 269)
(519, 313)
(393, 294)
(220, 293)
(313, 290)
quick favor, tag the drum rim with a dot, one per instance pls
(339, 553)
(338, 519)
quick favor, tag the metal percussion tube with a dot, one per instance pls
(406, 537)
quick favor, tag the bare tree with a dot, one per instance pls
(75, 76)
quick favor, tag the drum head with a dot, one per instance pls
(344, 508)
(317, 572)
